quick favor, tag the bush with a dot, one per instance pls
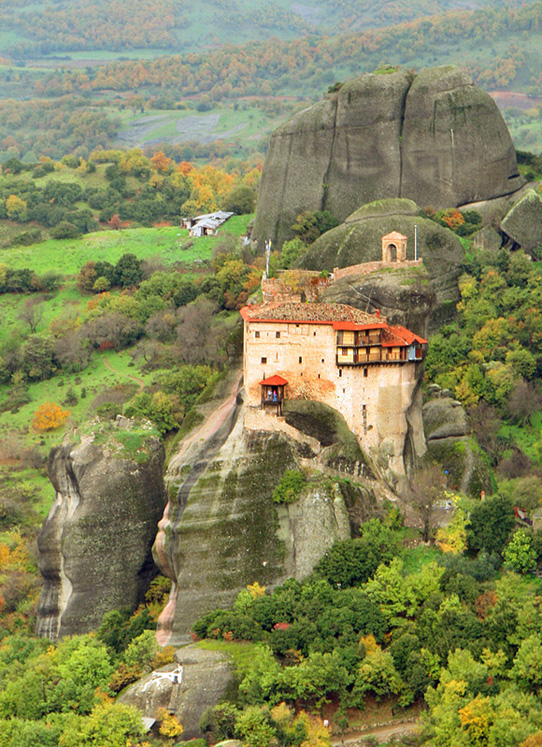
(352, 562)
(289, 487)
(65, 230)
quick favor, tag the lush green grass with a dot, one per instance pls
(241, 653)
(415, 558)
(67, 256)
(87, 385)
(525, 436)
(67, 302)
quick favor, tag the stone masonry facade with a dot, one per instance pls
(335, 354)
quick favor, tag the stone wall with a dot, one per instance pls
(367, 267)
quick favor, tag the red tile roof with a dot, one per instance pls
(275, 380)
(400, 336)
(340, 316)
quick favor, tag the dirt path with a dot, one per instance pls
(381, 733)
(127, 376)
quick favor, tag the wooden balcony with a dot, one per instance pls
(380, 355)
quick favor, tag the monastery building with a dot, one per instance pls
(332, 353)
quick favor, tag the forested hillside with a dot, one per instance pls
(123, 78)
(127, 25)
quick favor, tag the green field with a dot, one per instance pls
(176, 126)
(67, 256)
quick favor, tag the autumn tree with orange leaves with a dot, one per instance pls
(50, 416)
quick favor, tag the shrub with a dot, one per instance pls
(65, 230)
(289, 487)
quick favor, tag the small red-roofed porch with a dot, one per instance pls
(273, 393)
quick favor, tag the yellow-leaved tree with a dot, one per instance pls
(50, 416)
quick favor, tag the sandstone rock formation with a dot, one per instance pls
(487, 239)
(222, 529)
(95, 545)
(358, 240)
(449, 443)
(435, 138)
(198, 680)
(404, 297)
(523, 222)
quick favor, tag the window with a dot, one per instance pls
(277, 334)
(264, 360)
(365, 372)
(300, 359)
(340, 372)
(256, 334)
(318, 375)
(323, 360)
(344, 351)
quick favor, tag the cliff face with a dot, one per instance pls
(436, 139)
(95, 545)
(223, 531)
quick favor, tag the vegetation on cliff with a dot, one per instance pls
(454, 629)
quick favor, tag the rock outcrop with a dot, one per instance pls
(197, 681)
(222, 530)
(359, 239)
(404, 297)
(523, 222)
(95, 545)
(435, 138)
(450, 444)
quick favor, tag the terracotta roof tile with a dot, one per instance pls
(315, 313)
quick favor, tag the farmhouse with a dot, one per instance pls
(350, 360)
(205, 225)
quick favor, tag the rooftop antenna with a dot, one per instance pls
(416, 242)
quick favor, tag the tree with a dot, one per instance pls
(253, 726)
(426, 487)
(352, 562)
(108, 725)
(65, 230)
(524, 400)
(491, 522)
(128, 271)
(50, 416)
(291, 250)
(240, 200)
(377, 675)
(519, 554)
(16, 208)
(32, 314)
(527, 669)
